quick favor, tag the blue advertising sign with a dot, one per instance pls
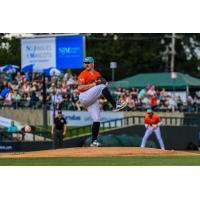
(69, 51)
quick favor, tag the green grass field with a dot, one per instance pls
(112, 161)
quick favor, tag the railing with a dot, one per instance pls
(135, 120)
(66, 105)
(106, 125)
(4, 135)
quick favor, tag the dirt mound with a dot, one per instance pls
(95, 152)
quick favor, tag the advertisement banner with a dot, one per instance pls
(10, 146)
(38, 51)
(82, 118)
(54, 51)
(69, 52)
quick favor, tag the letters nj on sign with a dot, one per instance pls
(68, 50)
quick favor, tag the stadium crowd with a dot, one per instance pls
(19, 90)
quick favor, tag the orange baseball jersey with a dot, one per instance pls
(154, 120)
(86, 77)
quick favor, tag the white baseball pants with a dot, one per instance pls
(89, 100)
(148, 132)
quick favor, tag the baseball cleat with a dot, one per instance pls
(95, 144)
(120, 106)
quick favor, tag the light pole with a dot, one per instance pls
(113, 66)
(173, 51)
(173, 38)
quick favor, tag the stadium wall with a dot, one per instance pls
(35, 117)
(175, 138)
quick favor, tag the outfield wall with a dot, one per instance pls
(175, 138)
(35, 117)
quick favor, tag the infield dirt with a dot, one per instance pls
(97, 152)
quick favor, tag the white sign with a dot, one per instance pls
(40, 52)
(113, 65)
(82, 118)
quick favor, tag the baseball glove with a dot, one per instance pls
(101, 80)
(154, 126)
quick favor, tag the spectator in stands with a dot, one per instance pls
(179, 103)
(74, 99)
(154, 102)
(57, 100)
(8, 99)
(71, 80)
(27, 129)
(19, 93)
(54, 77)
(141, 94)
(52, 89)
(122, 99)
(117, 92)
(66, 77)
(189, 104)
(163, 93)
(4, 91)
(172, 104)
(63, 87)
(145, 103)
(27, 76)
(33, 87)
(134, 93)
(34, 100)
(196, 103)
(19, 78)
(13, 131)
(9, 75)
(16, 99)
(131, 105)
(151, 91)
(26, 87)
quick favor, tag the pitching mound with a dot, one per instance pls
(95, 152)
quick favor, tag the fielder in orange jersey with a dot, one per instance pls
(91, 85)
(152, 124)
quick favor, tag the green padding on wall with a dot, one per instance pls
(123, 140)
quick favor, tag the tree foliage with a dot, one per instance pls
(134, 52)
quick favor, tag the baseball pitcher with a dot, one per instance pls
(91, 85)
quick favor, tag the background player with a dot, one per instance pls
(152, 124)
(91, 86)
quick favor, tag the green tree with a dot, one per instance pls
(134, 52)
(9, 50)
(139, 53)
